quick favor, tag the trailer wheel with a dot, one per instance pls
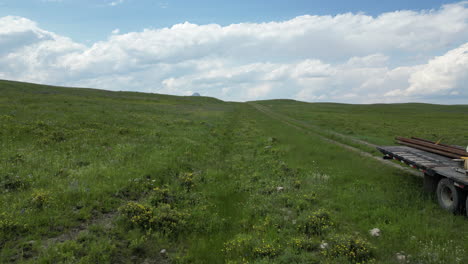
(466, 206)
(448, 195)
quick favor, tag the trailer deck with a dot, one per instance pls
(429, 163)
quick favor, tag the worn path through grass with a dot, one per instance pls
(322, 134)
(365, 194)
(209, 181)
(380, 123)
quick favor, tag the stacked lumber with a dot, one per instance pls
(433, 147)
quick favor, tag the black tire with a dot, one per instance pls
(466, 206)
(448, 196)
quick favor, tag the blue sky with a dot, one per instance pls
(92, 20)
(341, 51)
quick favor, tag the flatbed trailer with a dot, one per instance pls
(445, 176)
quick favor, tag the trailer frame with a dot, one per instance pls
(435, 168)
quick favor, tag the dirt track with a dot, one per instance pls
(310, 129)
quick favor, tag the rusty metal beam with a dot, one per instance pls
(455, 151)
(440, 144)
(428, 149)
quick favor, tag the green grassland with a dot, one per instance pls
(90, 176)
(380, 123)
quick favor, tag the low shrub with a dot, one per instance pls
(266, 250)
(164, 218)
(187, 180)
(169, 220)
(316, 223)
(41, 199)
(241, 246)
(137, 215)
(305, 243)
(310, 197)
(161, 195)
(354, 249)
(244, 247)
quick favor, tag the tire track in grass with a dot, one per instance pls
(223, 193)
(309, 129)
(317, 129)
(104, 220)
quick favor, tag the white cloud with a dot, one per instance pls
(116, 3)
(348, 57)
(259, 91)
(30, 53)
(442, 75)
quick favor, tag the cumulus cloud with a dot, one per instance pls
(443, 75)
(397, 56)
(30, 53)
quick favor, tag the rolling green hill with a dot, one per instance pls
(92, 176)
(380, 123)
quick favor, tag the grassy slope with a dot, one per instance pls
(70, 157)
(380, 123)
